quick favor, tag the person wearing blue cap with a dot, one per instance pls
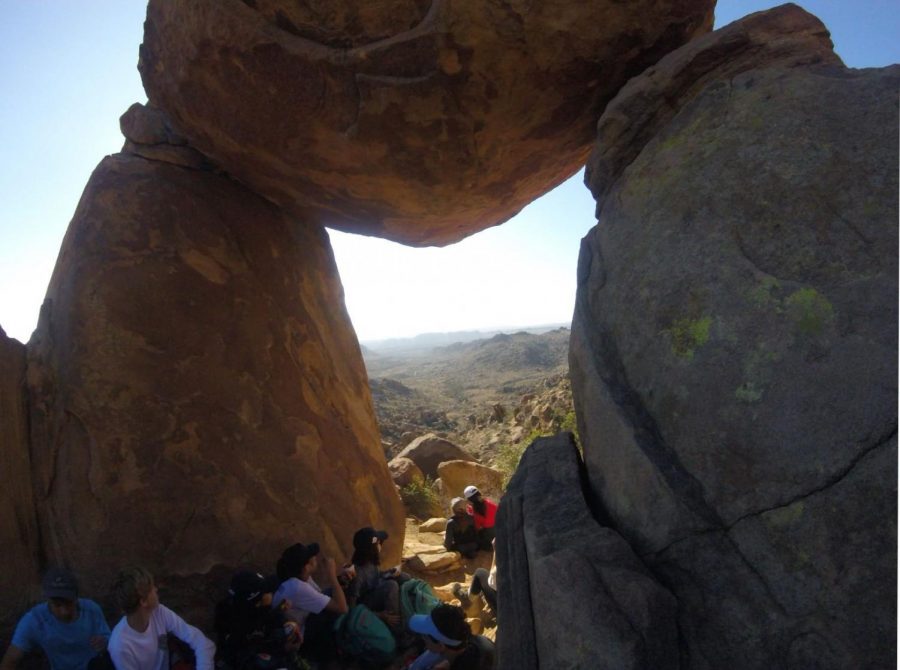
(449, 642)
(70, 630)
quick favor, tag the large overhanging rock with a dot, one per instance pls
(734, 346)
(419, 121)
(198, 394)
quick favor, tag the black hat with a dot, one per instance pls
(366, 536)
(297, 555)
(60, 583)
(249, 587)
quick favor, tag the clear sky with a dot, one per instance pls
(68, 69)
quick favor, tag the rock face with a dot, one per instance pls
(419, 121)
(18, 520)
(734, 346)
(572, 594)
(197, 392)
(429, 451)
(457, 475)
(404, 471)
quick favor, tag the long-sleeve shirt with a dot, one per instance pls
(487, 519)
(131, 650)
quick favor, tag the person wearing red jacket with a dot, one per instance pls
(485, 512)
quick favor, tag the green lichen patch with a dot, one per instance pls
(763, 294)
(810, 311)
(748, 392)
(688, 334)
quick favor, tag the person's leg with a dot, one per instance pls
(468, 550)
(481, 585)
(486, 539)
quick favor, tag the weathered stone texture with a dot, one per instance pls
(197, 392)
(429, 451)
(18, 520)
(422, 122)
(572, 593)
(734, 346)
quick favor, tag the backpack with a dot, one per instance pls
(361, 634)
(417, 597)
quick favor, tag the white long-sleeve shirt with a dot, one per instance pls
(131, 650)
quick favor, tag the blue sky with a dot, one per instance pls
(68, 69)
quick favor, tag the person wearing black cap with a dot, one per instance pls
(251, 635)
(449, 643)
(307, 604)
(70, 630)
(377, 589)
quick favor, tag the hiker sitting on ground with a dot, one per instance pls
(311, 607)
(460, 534)
(251, 635)
(377, 589)
(449, 643)
(138, 640)
(70, 630)
(483, 582)
(484, 511)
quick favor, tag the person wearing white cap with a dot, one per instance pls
(449, 643)
(484, 512)
(460, 534)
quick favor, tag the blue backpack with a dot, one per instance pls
(417, 597)
(361, 634)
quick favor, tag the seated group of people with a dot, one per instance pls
(263, 623)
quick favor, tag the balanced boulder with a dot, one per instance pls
(422, 122)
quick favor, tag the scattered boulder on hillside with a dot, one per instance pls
(196, 390)
(436, 525)
(421, 122)
(429, 451)
(19, 533)
(457, 475)
(404, 471)
(572, 593)
(734, 346)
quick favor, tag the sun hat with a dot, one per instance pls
(424, 625)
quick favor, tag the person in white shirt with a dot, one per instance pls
(304, 597)
(140, 640)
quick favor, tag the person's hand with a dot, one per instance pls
(443, 665)
(293, 636)
(98, 642)
(389, 618)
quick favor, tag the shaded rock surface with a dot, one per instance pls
(429, 451)
(18, 520)
(572, 593)
(734, 346)
(404, 471)
(197, 393)
(422, 122)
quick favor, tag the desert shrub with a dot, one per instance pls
(509, 455)
(420, 499)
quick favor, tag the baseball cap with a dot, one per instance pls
(249, 587)
(424, 625)
(366, 536)
(470, 491)
(60, 583)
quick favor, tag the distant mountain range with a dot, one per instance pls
(427, 341)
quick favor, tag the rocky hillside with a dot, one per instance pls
(482, 394)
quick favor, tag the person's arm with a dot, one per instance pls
(99, 638)
(338, 602)
(12, 657)
(449, 539)
(203, 647)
